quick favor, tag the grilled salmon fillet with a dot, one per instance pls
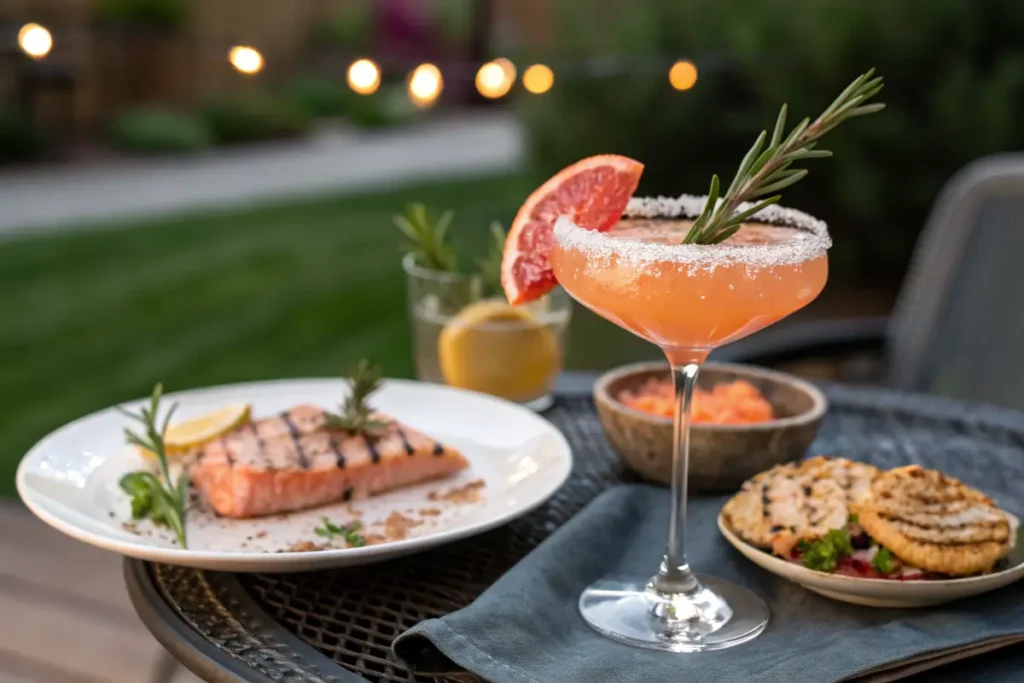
(294, 461)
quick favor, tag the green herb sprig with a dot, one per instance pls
(490, 265)
(426, 239)
(765, 170)
(883, 561)
(161, 500)
(349, 533)
(824, 554)
(356, 415)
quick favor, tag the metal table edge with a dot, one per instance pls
(200, 655)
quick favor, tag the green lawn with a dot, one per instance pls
(97, 316)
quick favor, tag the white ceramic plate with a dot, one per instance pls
(69, 479)
(881, 592)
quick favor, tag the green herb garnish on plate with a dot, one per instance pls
(824, 554)
(883, 562)
(153, 497)
(349, 533)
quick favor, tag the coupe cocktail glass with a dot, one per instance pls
(688, 299)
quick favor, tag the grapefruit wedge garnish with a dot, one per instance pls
(592, 192)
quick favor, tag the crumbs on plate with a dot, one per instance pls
(469, 493)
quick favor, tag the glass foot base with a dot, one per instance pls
(716, 615)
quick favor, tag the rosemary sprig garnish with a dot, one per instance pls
(490, 265)
(162, 501)
(426, 239)
(349, 533)
(356, 415)
(767, 170)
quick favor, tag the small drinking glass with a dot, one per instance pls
(464, 338)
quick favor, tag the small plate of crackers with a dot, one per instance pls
(905, 537)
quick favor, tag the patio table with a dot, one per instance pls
(338, 625)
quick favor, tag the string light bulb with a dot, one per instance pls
(495, 79)
(538, 79)
(425, 85)
(35, 41)
(683, 75)
(364, 77)
(508, 67)
(245, 59)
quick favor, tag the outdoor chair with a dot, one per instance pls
(957, 328)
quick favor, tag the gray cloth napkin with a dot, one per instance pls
(526, 628)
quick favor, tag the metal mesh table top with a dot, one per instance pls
(327, 625)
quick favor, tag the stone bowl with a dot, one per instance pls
(722, 457)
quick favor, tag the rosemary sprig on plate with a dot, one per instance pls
(426, 239)
(349, 533)
(356, 415)
(157, 498)
(765, 170)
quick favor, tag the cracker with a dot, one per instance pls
(935, 522)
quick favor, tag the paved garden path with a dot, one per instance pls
(330, 161)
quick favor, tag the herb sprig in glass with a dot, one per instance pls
(490, 265)
(158, 498)
(426, 238)
(765, 170)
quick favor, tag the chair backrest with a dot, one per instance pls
(958, 325)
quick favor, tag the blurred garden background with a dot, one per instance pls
(97, 305)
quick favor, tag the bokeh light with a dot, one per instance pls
(508, 67)
(538, 79)
(495, 79)
(35, 41)
(682, 75)
(364, 77)
(425, 85)
(245, 59)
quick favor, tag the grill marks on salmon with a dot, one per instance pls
(936, 522)
(294, 461)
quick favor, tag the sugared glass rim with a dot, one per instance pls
(812, 243)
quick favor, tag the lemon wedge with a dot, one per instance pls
(499, 349)
(183, 436)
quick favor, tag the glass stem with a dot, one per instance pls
(675, 575)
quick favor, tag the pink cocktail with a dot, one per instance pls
(688, 299)
(689, 275)
(691, 298)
